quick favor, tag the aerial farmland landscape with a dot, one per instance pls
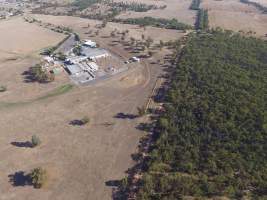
(133, 99)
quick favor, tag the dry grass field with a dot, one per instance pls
(20, 38)
(80, 160)
(81, 26)
(175, 9)
(21, 43)
(234, 15)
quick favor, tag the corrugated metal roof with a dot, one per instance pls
(74, 69)
(94, 52)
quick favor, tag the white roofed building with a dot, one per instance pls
(89, 43)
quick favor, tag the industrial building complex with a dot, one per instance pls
(84, 62)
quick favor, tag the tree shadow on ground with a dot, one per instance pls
(125, 116)
(113, 183)
(26, 144)
(144, 127)
(76, 122)
(28, 77)
(20, 179)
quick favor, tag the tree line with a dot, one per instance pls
(195, 4)
(202, 20)
(156, 22)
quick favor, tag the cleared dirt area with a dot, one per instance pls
(81, 161)
(175, 9)
(234, 15)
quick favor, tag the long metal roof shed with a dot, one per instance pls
(74, 69)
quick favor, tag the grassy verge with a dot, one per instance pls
(56, 92)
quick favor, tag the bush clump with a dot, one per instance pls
(2, 88)
(38, 74)
(35, 141)
(38, 177)
(141, 111)
(85, 120)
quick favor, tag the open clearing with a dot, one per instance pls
(234, 15)
(79, 159)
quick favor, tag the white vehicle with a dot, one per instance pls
(135, 59)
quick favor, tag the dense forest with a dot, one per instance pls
(211, 140)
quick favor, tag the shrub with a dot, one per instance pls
(3, 88)
(35, 141)
(38, 177)
(85, 120)
(141, 111)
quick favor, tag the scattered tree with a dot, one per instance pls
(161, 44)
(38, 177)
(141, 111)
(85, 120)
(3, 88)
(35, 141)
